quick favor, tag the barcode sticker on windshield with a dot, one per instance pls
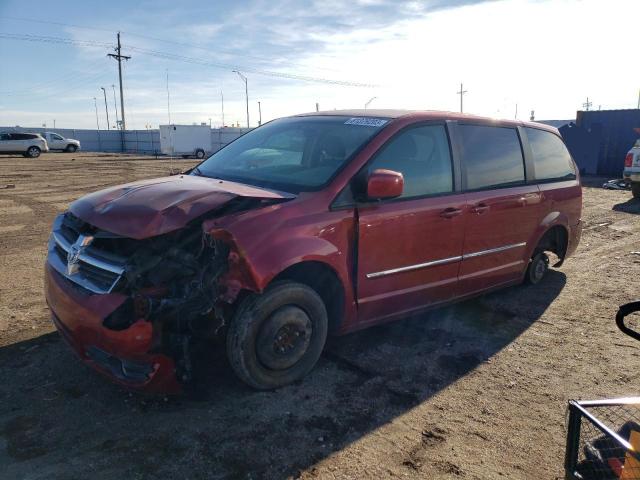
(366, 122)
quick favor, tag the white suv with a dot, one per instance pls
(27, 144)
(58, 142)
(632, 169)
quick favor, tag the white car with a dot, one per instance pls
(27, 144)
(631, 172)
(58, 142)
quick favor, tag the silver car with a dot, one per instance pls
(27, 144)
(58, 142)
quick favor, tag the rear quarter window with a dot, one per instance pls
(551, 159)
(491, 157)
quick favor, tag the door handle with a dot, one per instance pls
(480, 208)
(450, 212)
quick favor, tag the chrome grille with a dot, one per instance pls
(94, 270)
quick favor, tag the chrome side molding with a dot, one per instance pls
(444, 261)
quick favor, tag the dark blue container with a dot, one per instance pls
(615, 132)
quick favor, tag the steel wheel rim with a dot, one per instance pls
(284, 338)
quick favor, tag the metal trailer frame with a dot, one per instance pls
(579, 410)
(584, 411)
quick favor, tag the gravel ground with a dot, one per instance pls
(478, 390)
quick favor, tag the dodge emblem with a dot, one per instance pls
(74, 253)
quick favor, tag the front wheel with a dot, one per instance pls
(200, 154)
(71, 148)
(537, 269)
(33, 152)
(635, 189)
(277, 337)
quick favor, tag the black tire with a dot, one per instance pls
(255, 346)
(33, 152)
(199, 154)
(635, 189)
(71, 148)
(537, 269)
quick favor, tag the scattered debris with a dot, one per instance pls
(6, 186)
(616, 184)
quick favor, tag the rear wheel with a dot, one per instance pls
(537, 269)
(635, 189)
(200, 154)
(33, 152)
(71, 148)
(277, 337)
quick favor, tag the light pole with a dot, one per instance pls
(259, 114)
(369, 102)
(246, 92)
(95, 104)
(106, 109)
(115, 104)
(222, 100)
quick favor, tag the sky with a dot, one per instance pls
(513, 56)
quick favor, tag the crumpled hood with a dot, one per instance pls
(152, 207)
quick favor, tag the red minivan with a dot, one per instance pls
(308, 225)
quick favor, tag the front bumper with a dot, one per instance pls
(124, 356)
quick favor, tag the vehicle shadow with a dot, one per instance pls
(630, 206)
(60, 420)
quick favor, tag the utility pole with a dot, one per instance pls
(516, 115)
(259, 114)
(638, 99)
(369, 102)
(246, 92)
(54, 123)
(317, 107)
(119, 57)
(106, 109)
(115, 104)
(222, 99)
(587, 104)
(461, 93)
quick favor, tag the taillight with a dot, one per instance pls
(628, 160)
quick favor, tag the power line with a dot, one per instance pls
(157, 39)
(50, 39)
(182, 58)
(71, 87)
(64, 79)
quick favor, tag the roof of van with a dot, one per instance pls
(426, 115)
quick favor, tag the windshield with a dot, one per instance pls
(292, 154)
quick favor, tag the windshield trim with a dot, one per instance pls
(296, 189)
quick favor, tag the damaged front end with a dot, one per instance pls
(156, 299)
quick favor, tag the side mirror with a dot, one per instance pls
(384, 184)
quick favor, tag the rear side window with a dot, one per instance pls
(422, 155)
(23, 136)
(492, 156)
(551, 159)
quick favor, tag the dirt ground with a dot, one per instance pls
(478, 390)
